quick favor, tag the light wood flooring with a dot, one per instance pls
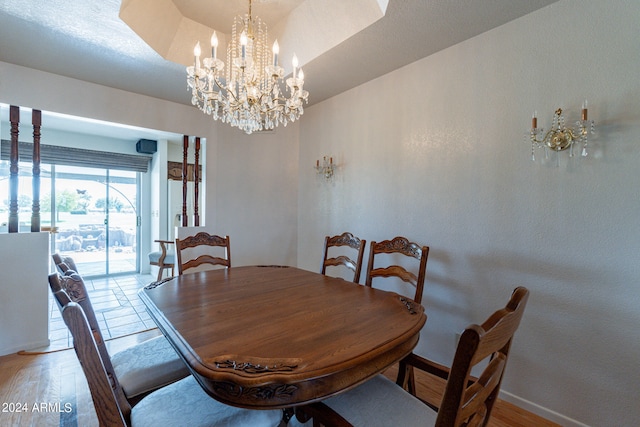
(49, 389)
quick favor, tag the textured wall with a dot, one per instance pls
(435, 152)
(255, 179)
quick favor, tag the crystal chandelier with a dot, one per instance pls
(248, 95)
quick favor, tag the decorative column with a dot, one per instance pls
(196, 179)
(14, 118)
(36, 120)
(185, 148)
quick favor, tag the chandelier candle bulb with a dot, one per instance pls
(243, 43)
(214, 45)
(294, 62)
(584, 111)
(276, 51)
(534, 121)
(196, 53)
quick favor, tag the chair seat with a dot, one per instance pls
(185, 403)
(154, 257)
(147, 366)
(379, 403)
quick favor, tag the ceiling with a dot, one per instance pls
(87, 39)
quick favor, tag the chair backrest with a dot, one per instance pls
(399, 245)
(71, 287)
(105, 402)
(202, 239)
(57, 259)
(467, 400)
(64, 264)
(344, 239)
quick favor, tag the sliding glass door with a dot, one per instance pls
(122, 222)
(95, 214)
(93, 211)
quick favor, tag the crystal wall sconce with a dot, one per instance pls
(560, 137)
(326, 169)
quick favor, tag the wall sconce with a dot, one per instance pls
(326, 169)
(560, 137)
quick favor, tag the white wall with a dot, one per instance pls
(50, 92)
(435, 152)
(24, 302)
(257, 194)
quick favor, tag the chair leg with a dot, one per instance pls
(160, 270)
(406, 378)
(287, 413)
(411, 383)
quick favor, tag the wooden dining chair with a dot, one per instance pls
(196, 244)
(141, 368)
(400, 246)
(467, 401)
(348, 240)
(163, 259)
(182, 403)
(64, 264)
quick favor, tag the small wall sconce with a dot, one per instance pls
(560, 137)
(326, 169)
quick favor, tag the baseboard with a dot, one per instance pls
(540, 410)
(14, 349)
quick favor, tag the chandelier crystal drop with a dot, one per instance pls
(250, 93)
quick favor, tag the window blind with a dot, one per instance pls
(56, 155)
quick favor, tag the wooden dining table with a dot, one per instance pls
(278, 337)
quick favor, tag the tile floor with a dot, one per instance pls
(118, 309)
